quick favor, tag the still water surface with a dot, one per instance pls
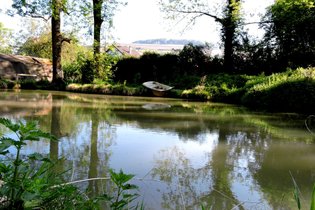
(183, 154)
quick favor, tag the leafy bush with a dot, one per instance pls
(6, 84)
(83, 70)
(168, 68)
(198, 92)
(290, 91)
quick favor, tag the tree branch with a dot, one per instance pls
(39, 16)
(200, 13)
(65, 39)
(259, 22)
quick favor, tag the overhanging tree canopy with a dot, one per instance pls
(290, 29)
(229, 19)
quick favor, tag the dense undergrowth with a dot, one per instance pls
(291, 91)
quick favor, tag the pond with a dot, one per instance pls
(184, 154)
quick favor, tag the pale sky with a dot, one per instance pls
(141, 19)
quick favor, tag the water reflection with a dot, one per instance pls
(156, 106)
(188, 154)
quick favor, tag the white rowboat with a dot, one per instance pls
(158, 89)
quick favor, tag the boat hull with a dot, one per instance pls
(158, 89)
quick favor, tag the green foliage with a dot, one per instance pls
(37, 46)
(296, 195)
(5, 40)
(198, 92)
(218, 87)
(83, 69)
(33, 8)
(42, 84)
(290, 91)
(313, 199)
(117, 89)
(192, 59)
(290, 30)
(174, 69)
(122, 197)
(22, 183)
(229, 19)
(6, 84)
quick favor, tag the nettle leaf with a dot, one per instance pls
(4, 168)
(130, 197)
(28, 196)
(105, 197)
(35, 156)
(46, 135)
(30, 125)
(36, 135)
(19, 144)
(126, 177)
(4, 152)
(130, 187)
(7, 123)
(5, 143)
(119, 205)
(120, 178)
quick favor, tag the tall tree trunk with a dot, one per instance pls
(229, 24)
(98, 21)
(229, 32)
(56, 40)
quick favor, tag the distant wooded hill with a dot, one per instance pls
(169, 41)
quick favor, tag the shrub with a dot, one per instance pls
(83, 70)
(290, 91)
(6, 84)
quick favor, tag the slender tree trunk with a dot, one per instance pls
(56, 40)
(229, 32)
(229, 24)
(98, 21)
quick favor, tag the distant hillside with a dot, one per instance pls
(169, 41)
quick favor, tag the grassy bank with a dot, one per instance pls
(291, 91)
(109, 89)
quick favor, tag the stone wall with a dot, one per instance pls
(12, 65)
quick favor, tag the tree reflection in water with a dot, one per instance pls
(215, 184)
(246, 164)
(93, 187)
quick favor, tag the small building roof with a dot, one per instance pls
(124, 50)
